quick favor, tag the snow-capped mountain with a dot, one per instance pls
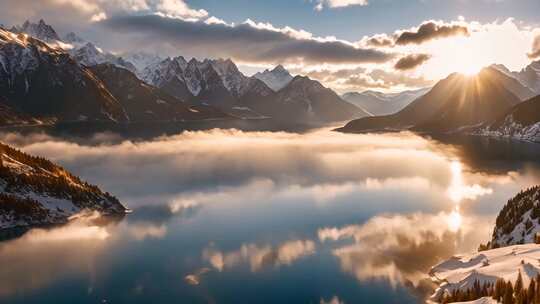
(40, 30)
(522, 122)
(141, 60)
(168, 75)
(276, 79)
(90, 55)
(200, 79)
(232, 78)
(34, 191)
(220, 83)
(378, 103)
(144, 102)
(45, 82)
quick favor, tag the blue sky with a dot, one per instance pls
(379, 16)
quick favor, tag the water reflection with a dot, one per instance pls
(402, 248)
(218, 214)
(260, 256)
(43, 256)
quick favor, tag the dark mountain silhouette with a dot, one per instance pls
(455, 102)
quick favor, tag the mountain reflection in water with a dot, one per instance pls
(226, 216)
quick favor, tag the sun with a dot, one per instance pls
(470, 69)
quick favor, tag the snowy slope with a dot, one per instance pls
(44, 81)
(90, 55)
(276, 79)
(518, 221)
(460, 272)
(34, 191)
(522, 122)
(141, 60)
(485, 300)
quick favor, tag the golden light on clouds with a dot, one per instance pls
(492, 43)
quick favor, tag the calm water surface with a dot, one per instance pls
(265, 217)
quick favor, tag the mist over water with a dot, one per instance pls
(228, 216)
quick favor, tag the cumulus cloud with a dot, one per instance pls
(380, 40)
(321, 4)
(246, 42)
(535, 53)
(431, 30)
(412, 61)
(94, 10)
(259, 257)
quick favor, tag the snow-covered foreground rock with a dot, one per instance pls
(460, 272)
(484, 300)
(34, 191)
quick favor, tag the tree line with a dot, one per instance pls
(502, 291)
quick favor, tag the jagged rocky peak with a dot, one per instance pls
(40, 30)
(35, 76)
(276, 78)
(73, 38)
(519, 220)
(89, 55)
(232, 78)
(34, 191)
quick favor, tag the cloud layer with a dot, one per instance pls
(246, 42)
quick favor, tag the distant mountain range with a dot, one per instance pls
(378, 103)
(453, 104)
(48, 79)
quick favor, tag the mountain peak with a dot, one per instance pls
(71, 37)
(276, 79)
(280, 69)
(41, 30)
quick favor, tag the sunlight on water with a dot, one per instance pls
(454, 220)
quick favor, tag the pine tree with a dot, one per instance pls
(518, 287)
(508, 297)
(531, 291)
(498, 290)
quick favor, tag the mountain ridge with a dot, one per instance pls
(455, 102)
